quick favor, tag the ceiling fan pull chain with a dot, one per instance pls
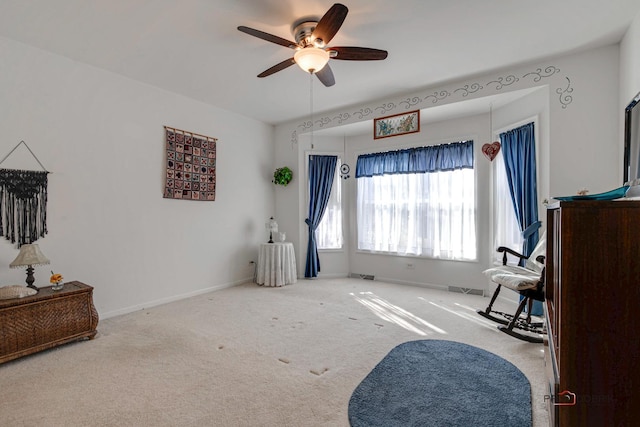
(311, 105)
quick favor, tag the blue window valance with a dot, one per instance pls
(435, 158)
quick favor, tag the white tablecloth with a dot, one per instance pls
(276, 264)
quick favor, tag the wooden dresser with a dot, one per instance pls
(592, 311)
(45, 320)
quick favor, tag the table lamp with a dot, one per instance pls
(29, 256)
(272, 226)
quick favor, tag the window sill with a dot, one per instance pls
(393, 254)
(340, 250)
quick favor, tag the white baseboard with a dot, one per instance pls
(411, 283)
(172, 298)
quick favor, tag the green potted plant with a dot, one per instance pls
(282, 176)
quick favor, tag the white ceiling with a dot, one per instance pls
(192, 47)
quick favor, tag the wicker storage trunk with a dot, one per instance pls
(47, 319)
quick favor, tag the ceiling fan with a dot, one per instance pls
(312, 53)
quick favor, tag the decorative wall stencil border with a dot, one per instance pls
(306, 125)
(437, 96)
(504, 81)
(467, 89)
(410, 102)
(363, 112)
(342, 117)
(565, 98)
(540, 73)
(385, 108)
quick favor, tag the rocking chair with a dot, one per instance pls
(528, 281)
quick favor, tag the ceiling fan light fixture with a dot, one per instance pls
(312, 45)
(311, 59)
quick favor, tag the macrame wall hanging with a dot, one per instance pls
(23, 202)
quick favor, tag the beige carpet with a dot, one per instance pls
(247, 356)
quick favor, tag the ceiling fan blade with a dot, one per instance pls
(268, 37)
(330, 23)
(357, 53)
(325, 75)
(278, 67)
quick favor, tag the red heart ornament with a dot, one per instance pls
(491, 150)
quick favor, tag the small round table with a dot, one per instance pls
(276, 264)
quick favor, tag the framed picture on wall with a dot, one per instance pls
(398, 124)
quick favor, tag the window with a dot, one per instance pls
(418, 202)
(329, 231)
(507, 231)
(515, 173)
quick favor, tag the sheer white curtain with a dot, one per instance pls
(329, 231)
(506, 229)
(424, 214)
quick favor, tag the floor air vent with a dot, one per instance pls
(466, 290)
(363, 276)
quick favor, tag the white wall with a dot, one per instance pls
(629, 71)
(579, 114)
(101, 135)
(585, 136)
(630, 63)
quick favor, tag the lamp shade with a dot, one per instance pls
(311, 59)
(29, 254)
(272, 225)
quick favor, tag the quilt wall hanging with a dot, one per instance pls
(191, 166)
(23, 202)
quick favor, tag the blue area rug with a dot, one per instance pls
(441, 383)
